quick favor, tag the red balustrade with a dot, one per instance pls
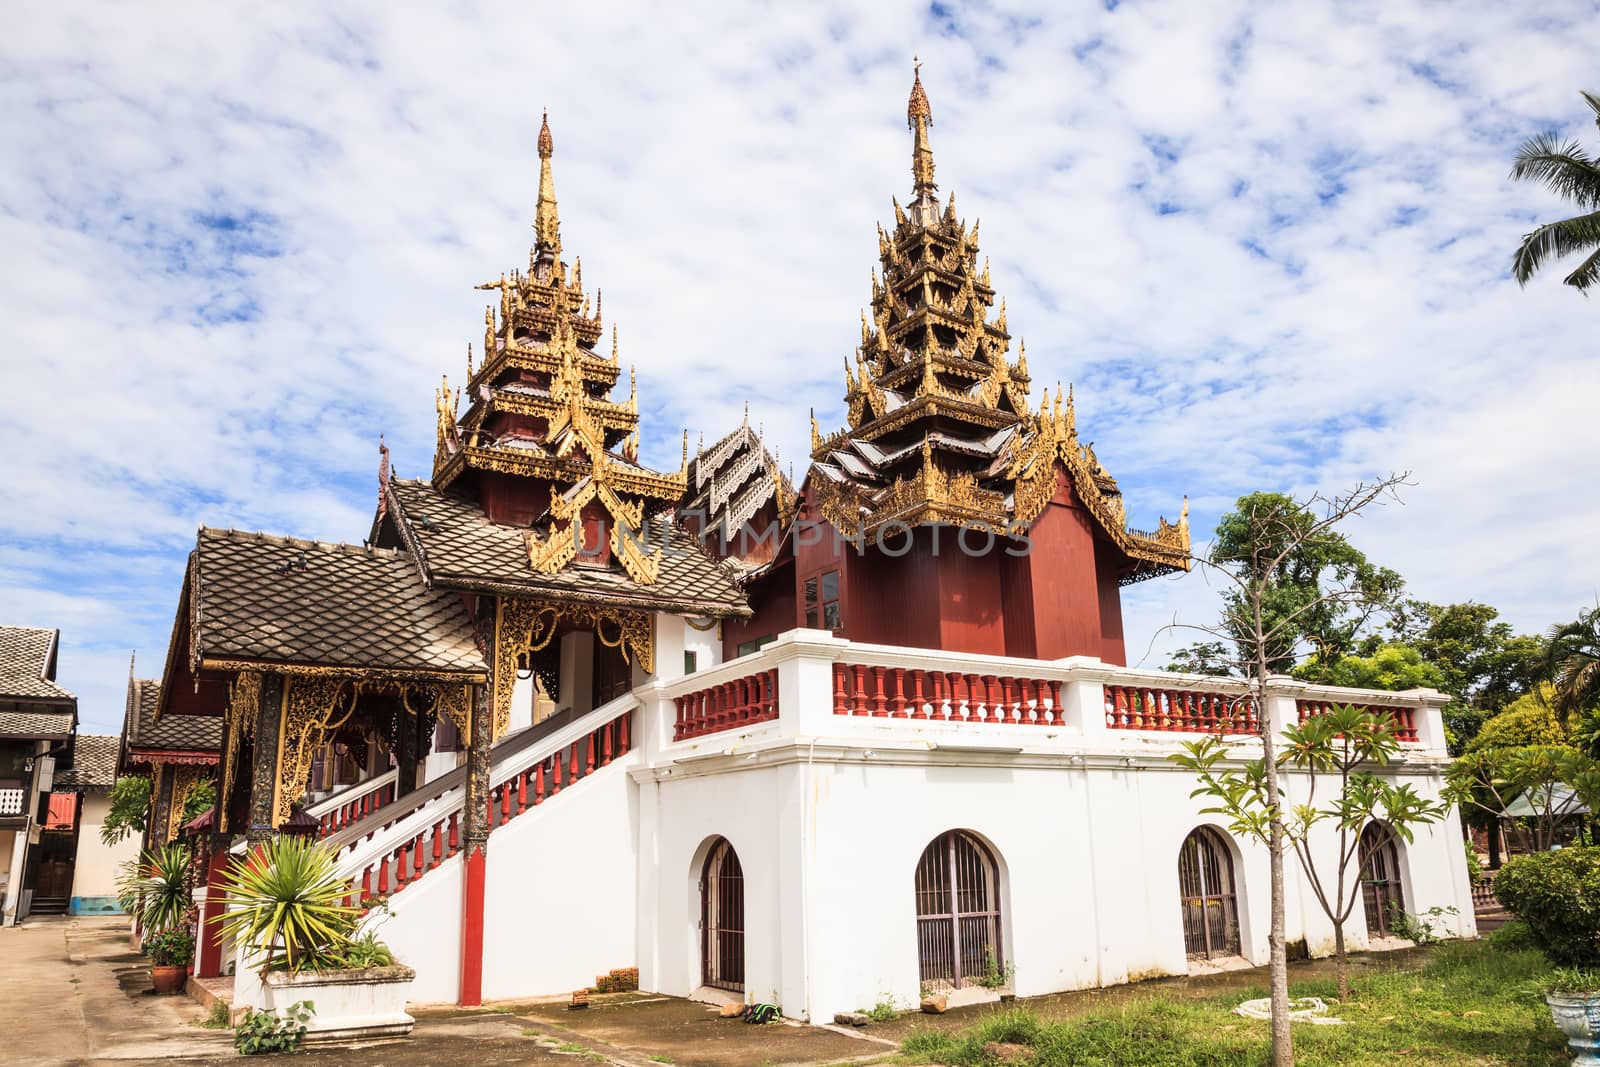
(355, 809)
(418, 855)
(1137, 707)
(945, 696)
(1404, 718)
(726, 706)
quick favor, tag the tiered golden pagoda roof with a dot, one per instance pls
(940, 422)
(539, 406)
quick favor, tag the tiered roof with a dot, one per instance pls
(169, 738)
(539, 406)
(940, 422)
(730, 483)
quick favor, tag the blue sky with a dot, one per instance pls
(1269, 245)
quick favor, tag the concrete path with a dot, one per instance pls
(74, 993)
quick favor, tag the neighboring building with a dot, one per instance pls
(800, 752)
(84, 789)
(37, 720)
(176, 754)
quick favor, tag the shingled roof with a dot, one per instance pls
(731, 481)
(94, 763)
(28, 664)
(36, 725)
(282, 600)
(184, 734)
(457, 546)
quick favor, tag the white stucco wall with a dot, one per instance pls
(424, 931)
(94, 877)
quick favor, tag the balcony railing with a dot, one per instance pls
(811, 684)
(1404, 718)
(11, 801)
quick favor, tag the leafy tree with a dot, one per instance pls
(202, 798)
(1491, 778)
(1529, 720)
(1573, 175)
(130, 804)
(1293, 581)
(1574, 661)
(1390, 666)
(1328, 746)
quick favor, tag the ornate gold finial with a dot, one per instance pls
(746, 413)
(614, 355)
(816, 431)
(469, 363)
(1072, 413)
(598, 295)
(1183, 519)
(919, 116)
(546, 225)
(633, 388)
(685, 465)
(1022, 359)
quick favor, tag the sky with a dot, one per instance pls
(1269, 244)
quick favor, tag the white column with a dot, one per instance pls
(805, 661)
(1430, 720)
(1083, 700)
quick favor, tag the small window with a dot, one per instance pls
(822, 602)
(747, 647)
(690, 661)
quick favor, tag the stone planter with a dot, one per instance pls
(350, 1005)
(1578, 1016)
(168, 979)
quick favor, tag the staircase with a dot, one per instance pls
(389, 847)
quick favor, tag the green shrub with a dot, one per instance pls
(173, 947)
(1558, 895)
(1512, 937)
(262, 1031)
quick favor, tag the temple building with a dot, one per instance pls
(804, 743)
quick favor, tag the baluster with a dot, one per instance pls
(383, 877)
(366, 884)
(839, 707)
(625, 720)
(936, 705)
(572, 767)
(1057, 716)
(989, 700)
(594, 743)
(522, 791)
(556, 769)
(419, 858)
(880, 701)
(400, 868)
(455, 841)
(968, 705)
(916, 695)
(677, 721)
(858, 692)
(897, 700)
(505, 803)
(1011, 697)
(608, 729)
(538, 783)
(438, 844)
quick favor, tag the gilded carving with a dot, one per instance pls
(185, 777)
(239, 722)
(524, 626)
(314, 708)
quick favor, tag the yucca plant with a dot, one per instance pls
(288, 898)
(158, 888)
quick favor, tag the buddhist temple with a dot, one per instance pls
(561, 715)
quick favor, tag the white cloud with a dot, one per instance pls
(1326, 299)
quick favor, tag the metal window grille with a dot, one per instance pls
(722, 919)
(958, 912)
(1206, 887)
(1380, 878)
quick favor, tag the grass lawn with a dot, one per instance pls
(1461, 1004)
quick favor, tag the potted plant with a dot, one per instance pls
(158, 888)
(1557, 894)
(286, 906)
(170, 951)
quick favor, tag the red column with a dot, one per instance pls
(208, 961)
(477, 842)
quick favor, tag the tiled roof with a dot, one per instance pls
(41, 725)
(94, 763)
(173, 733)
(731, 481)
(460, 548)
(283, 600)
(27, 666)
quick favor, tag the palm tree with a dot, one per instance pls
(1574, 660)
(1572, 175)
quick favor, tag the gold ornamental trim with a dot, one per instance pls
(313, 707)
(368, 676)
(523, 626)
(185, 778)
(239, 722)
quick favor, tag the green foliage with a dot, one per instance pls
(263, 1031)
(1558, 895)
(158, 888)
(1566, 170)
(1466, 1004)
(1489, 779)
(172, 947)
(884, 1011)
(1528, 720)
(130, 804)
(1572, 981)
(1391, 666)
(1514, 936)
(217, 1018)
(1418, 928)
(358, 954)
(199, 800)
(1573, 658)
(288, 896)
(994, 976)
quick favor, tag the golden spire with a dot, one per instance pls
(614, 357)
(546, 226)
(919, 116)
(469, 363)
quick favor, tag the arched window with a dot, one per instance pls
(1206, 888)
(1381, 894)
(722, 918)
(958, 912)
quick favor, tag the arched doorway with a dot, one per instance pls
(958, 912)
(1380, 878)
(1209, 899)
(722, 918)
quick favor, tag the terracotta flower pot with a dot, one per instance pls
(168, 979)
